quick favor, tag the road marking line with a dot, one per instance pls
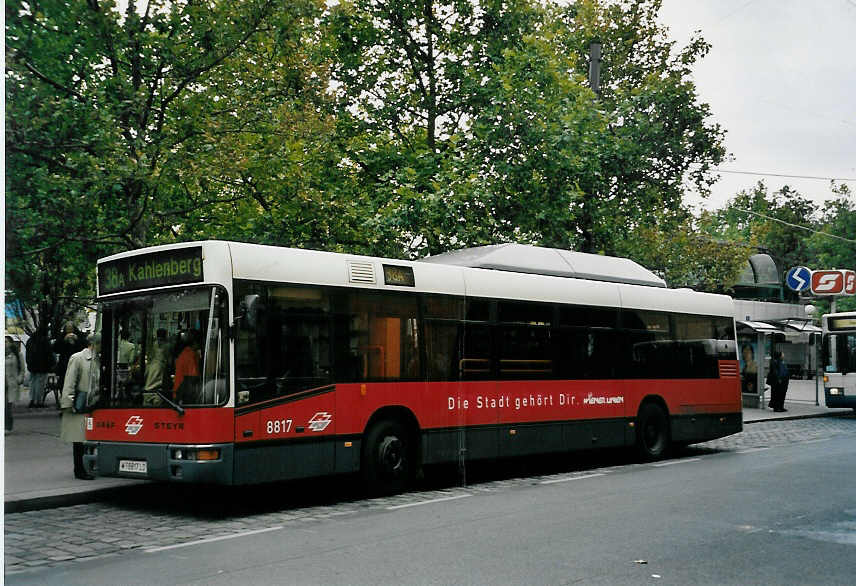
(448, 498)
(751, 450)
(572, 478)
(212, 539)
(673, 462)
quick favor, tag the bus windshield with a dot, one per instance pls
(165, 348)
(839, 351)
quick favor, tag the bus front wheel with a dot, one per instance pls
(652, 432)
(388, 461)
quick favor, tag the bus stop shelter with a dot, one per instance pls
(755, 342)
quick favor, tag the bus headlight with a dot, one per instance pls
(835, 391)
(199, 454)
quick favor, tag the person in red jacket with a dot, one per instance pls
(187, 363)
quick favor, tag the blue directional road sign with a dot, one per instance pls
(798, 278)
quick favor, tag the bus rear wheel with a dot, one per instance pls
(652, 432)
(388, 460)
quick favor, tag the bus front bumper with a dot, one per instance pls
(836, 397)
(198, 463)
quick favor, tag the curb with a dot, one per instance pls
(838, 413)
(63, 500)
(47, 413)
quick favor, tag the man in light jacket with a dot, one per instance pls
(81, 376)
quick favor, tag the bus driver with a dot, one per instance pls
(187, 364)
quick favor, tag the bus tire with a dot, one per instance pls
(388, 460)
(652, 432)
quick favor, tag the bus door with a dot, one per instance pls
(473, 407)
(839, 371)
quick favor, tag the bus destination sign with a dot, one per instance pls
(159, 269)
(842, 324)
(399, 276)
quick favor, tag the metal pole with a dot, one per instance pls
(586, 222)
(759, 361)
(594, 66)
(817, 342)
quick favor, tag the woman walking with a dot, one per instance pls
(14, 378)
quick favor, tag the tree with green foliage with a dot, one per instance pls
(467, 124)
(793, 229)
(168, 121)
(658, 135)
(408, 77)
(683, 251)
(779, 222)
(834, 244)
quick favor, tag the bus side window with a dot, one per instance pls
(585, 354)
(475, 361)
(442, 315)
(440, 340)
(283, 346)
(525, 344)
(377, 337)
(649, 348)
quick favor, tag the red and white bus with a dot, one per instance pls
(312, 363)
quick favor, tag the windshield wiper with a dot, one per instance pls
(170, 402)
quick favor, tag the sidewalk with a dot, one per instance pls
(38, 466)
(799, 402)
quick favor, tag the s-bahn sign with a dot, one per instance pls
(822, 283)
(849, 282)
(798, 279)
(827, 282)
(837, 282)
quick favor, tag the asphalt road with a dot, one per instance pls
(768, 513)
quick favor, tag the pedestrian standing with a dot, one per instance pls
(82, 376)
(778, 379)
(39, 362)
(14, 378)
(70, 341)
(156, 366)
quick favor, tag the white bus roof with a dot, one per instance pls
(290, 265)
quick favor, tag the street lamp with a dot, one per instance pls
(594, 65)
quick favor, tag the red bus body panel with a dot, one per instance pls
(345, 409)
(196, 426)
